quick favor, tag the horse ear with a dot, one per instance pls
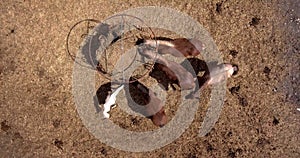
(160, 118)
(197, 44)
(235, 68)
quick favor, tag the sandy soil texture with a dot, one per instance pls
(38, 115)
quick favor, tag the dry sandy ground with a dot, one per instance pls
(38, 115)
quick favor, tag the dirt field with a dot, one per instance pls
(38, 115)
